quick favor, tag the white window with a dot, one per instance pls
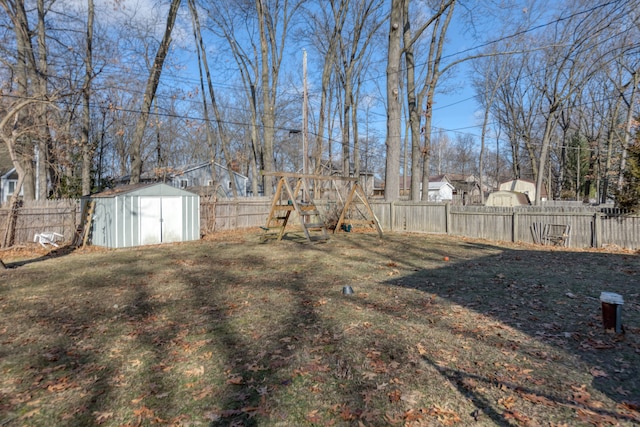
(11, 187)
(210, 183)
(184, 183)
(229, 185)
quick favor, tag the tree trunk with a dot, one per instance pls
(268, 91)
(222, 134)
(608, 160)
(413, 106)
(433, 76)
(26, 75)
(135, 150)
(87, 147)
(392, 176)
(346, 126)
(627, 129)
(44, 136)
(544, 153)
(356, 142)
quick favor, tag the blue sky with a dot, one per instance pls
(456, 110)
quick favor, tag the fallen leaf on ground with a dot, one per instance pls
(235, 380)
(595, 418)
(445, 416)
(395, 395)
(536, 398)
(507, 402)
(313, 416)
(102, 416)
(517, 416)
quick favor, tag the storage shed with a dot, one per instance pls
(505, 198)
(144, 214)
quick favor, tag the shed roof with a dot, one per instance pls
(5, 160)
(147, 189)
(516, 197)
(439, 184)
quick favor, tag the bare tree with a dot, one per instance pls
(493, 75)
(149, 94)
(353, 44)
(438, 23)
(325, 27)
(259, 63)
(204, 64)
(87, 148)
(392, 168)
(29, 128)
(569, 64)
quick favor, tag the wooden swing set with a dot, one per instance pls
(298, 199)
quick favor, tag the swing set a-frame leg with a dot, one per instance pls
(372, 220)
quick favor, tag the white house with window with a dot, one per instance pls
(8, 183)
(440, 191)
(8, 175)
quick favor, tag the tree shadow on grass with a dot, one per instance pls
(173, 340)
(70, 352)
(53, 253)
(551, 296)
(273, 364)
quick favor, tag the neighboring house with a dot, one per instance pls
(8, 175)
(8, 183)
(197, 177)
(440, 191)
(525, 186)
(201, 175)
(464, 189)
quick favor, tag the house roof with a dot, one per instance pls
(519, 198)
(543, 193)
(530, 181)
(5, 160)
(171, 172)
(155, 188)
(438, 185)
(188, 168)
(433, 178)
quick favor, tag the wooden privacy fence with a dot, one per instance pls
(54, 216)
(588, 226)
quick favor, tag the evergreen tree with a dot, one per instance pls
(628, 197)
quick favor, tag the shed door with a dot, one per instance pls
(160, 220)
(171, 219)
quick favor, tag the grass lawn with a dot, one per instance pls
(233, 331)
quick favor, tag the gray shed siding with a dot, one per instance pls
(152, 214)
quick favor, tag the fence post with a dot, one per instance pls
(596, 239)
(392, 214)
(447, 218)
(514, 227)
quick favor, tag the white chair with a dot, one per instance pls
(48, 238)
